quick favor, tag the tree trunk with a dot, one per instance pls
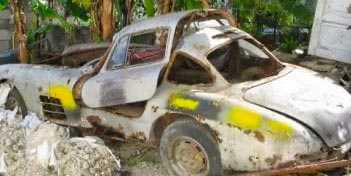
(103, 20)
(130, 6)
(20, 34)
(205, 4)
(165, 6)
(107, 20)
(96, 20)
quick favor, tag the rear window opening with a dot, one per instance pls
(241, 60)
(186, 71)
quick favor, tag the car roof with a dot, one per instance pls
(200, 43)
(169, 19)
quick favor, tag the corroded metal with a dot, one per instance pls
(304, 169)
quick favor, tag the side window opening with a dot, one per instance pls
(147, 47)
(119, 53)
(186, 71)
(139, 48)
(242, 60)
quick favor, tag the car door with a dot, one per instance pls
(132, 71)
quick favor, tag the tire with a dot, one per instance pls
(14, 99)
(188, 148)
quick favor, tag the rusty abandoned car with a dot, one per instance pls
(210, 96)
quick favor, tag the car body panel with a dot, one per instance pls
(311, 99)
(34, 81)
(122, 86)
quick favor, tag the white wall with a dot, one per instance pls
(330, 38)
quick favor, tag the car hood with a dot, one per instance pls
(309, 98)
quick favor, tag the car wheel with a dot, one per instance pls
(14, 100)
(188, 148)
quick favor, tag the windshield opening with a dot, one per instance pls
(242, 60)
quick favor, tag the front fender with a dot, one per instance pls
(251, 137)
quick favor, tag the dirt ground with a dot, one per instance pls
(137, 158)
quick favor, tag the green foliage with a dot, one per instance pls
(4, 4)
(287, 15)
(149, 8)
(289, 12)
(145, 157)
(193, 4)
(78, 8)
(119, 14)
(84, 3)
(131, 162)
(289, 45)
(187, 5)
(45, 12)
(32, 32)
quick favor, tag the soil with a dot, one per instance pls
(138, 159)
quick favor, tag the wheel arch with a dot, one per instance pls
(9, 82)
(167, 119)
(6, 80)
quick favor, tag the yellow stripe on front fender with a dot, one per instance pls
(247, 119)
(178, 102)
(244, 118)
(65, 95)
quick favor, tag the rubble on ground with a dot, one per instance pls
(286, 57)
(318, 65)
(86, 156)
(42, 148)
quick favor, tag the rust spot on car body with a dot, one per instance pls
(200, 46)
(253, 160)
(139, 136)
(259, 136)
(154, 108)
(96, 122)
(200, 118)
(289, 164)
(273, 160)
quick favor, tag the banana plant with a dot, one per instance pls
(45, 12)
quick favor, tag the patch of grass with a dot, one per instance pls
(146, 157)
(149, 158)
(132, 161)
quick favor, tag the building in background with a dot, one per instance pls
(331, 38)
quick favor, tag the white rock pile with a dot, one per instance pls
(86, 156)
(33, 147)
